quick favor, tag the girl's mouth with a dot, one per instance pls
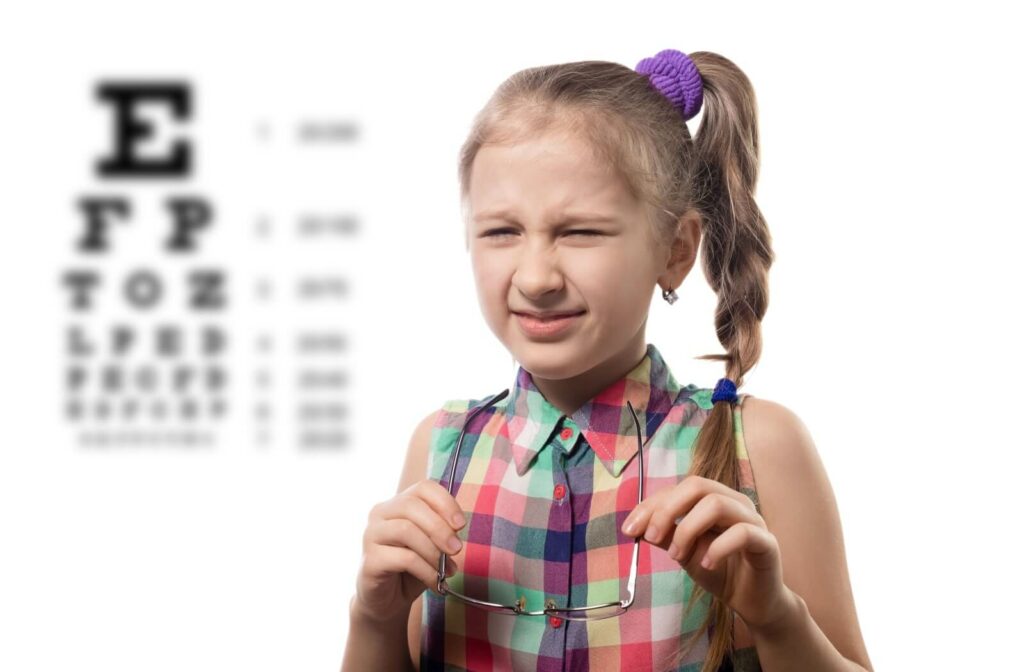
(545, 328)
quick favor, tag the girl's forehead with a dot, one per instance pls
(544, 172)
(554, 144)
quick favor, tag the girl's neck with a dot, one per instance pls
(569, 394)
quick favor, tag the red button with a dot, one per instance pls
(555, 621)
(567, 432)
(559, 491)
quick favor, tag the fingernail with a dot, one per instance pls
(651, 534)
(629, 528)
(454, 544)
(458, 520)
(673, 550)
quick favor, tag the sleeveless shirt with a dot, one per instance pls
(545, 495)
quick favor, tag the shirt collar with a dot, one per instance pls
(604, 421)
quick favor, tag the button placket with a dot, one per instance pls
(560, 520)
(567, 435)
(559, 491)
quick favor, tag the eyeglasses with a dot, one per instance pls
(588, 613)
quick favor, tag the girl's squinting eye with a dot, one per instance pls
(497, 233)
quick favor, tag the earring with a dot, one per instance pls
(669, 295)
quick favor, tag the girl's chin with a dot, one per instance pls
(549, 360)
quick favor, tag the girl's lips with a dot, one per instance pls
(543, 328)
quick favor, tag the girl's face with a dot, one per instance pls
(552, 229)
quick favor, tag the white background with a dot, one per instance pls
(891, 144)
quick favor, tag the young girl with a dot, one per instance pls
(597, 514)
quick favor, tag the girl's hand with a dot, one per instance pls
(722, 525)
(401, 548)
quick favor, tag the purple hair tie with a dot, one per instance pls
(725, 390)
(675, 75)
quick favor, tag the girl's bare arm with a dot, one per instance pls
(800, 509)
(387, 643)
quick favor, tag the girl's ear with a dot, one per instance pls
(683, 254)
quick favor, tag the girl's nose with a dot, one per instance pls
(537, 274)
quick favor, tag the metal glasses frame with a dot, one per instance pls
(587, 613)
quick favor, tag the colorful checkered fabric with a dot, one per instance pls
(545, 496)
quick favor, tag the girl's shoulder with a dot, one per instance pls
(454, 412)
(700, 397)
(454, 415)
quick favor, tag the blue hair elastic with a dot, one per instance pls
(725, 390)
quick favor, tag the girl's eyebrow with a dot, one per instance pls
(571, 218)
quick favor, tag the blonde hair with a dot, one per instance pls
(642, 136)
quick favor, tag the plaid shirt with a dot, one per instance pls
(545, 495)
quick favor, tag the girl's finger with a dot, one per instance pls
(713, 512)
(635, 524)
(386, 560)
(411, 507)
(403, 532)
(754, 540)
(643, 521)
(441, 501)
(639, 521)
(651, 519)
(678, 501)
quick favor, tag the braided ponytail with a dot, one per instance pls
(737, 254)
